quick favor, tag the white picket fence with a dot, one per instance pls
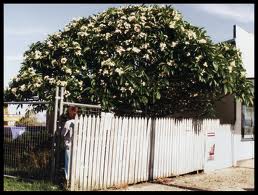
(179, 147)
(110, 151)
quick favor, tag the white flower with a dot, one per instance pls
(136, 50)
(202, 41)
(68, 71)
(177, 16)
(230, 69)
(142, 34)
(143, 83)
(108, 62)
(131, 89)
(145, 46)
(82, 34)
(118, 31)
(77, 19)
(105, 71)
(146, 56)
(120, 50)
(123, 89)
(50, 44)
(66, 29)
(57, 34)
(74, 24)
(37, 55)
(126, 83)
(63, 60)
(143, 18)
(162, 46)
(127, 25)
(75, 43)
(83, 28)
(182, 28)
(108, 35)
(137, 28)
(119, 71)
(198, 58)
(188, 54)
(191, 34)
(51, 80)
(62, 44)
(78, 53)
(80, 83)
(62, 83)
(243, 73)
(131, 18)
(170, 62)
(226, 47)
(205, 64)
(46, 77)
(14, 90)
(232, 64)
(67, 93)
(84, 67)
(17, 79)
(23, 87)
(172, 24)
(36, 85)
(102, 25)
(54, 62)
(174, 44)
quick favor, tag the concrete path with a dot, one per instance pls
(150, 187)
(246, 163)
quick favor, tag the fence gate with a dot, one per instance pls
(58, 163)
(27, 141)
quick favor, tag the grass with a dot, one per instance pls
(16, 184)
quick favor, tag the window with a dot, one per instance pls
(247, 129)
(247, 122)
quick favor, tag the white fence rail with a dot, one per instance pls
(112, 151)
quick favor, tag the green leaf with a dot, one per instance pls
(158, 95)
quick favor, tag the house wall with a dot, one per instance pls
(244, 149)
(245, 42)
(225, 110)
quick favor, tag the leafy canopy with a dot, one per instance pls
(137, 58)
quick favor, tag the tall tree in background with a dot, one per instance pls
(138, 58)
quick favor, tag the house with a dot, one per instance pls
(242, 119)
(10, 119)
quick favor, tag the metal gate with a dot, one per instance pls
(58, 162)
(27, 141)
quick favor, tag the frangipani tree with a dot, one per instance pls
(136, 58)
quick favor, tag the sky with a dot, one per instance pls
(25, 24)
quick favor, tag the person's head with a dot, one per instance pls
(72, 111)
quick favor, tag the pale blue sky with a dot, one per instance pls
(28, 23)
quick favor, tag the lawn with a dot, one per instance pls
(13, 184)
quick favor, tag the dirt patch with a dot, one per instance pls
(230, 179)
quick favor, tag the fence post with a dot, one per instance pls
(152, 149)
(58, 140)
(53, 136)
